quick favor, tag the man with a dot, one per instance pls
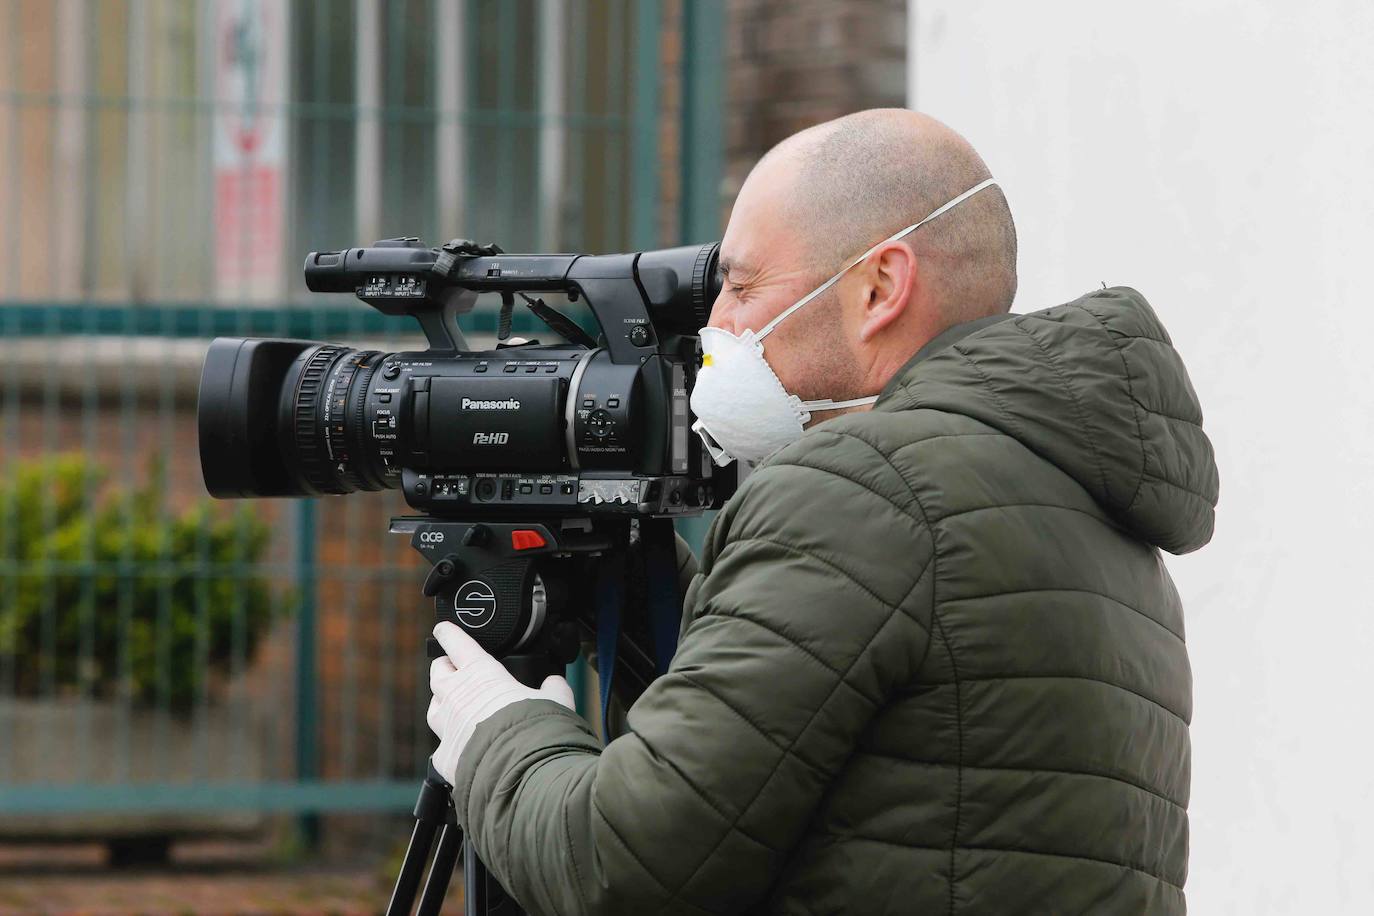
(932, 661)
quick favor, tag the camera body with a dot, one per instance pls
(578, 428)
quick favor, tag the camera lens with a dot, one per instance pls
(289, 418)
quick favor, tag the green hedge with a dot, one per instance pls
(77, 552)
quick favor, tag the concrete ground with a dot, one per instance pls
(202, 879)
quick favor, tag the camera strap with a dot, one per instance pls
(665, 607)
(658, 547)
(610, 593)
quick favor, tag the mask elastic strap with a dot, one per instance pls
(827, 404)
(768, 328)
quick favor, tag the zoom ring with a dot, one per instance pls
(366, 474)
(310, 437)
(340, 434)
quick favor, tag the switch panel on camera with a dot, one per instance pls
(445, 493)
(603, 430)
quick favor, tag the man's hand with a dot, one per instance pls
(469, 686)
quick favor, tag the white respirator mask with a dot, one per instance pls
(743, 411)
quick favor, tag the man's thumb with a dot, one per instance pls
(557, 689)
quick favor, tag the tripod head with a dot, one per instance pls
(509, 583)
(530, 592)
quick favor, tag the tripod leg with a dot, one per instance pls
(403, 895)
(474, 883)
(441, 871)
(433, 811)
(482, 894)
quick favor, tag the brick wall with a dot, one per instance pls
(795, 63)
(670, 121)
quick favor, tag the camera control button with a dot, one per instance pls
(510, 367)
(639, 335)
(600, 423)
(588, 403)
(527, 488)
(524, 539)
(546, 489)
(384, 398)
(481, 367)
(550, 369)
(391, 372)
(613, 403)
(531, 368)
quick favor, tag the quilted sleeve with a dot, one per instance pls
(812, 611)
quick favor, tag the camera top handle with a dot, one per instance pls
(637, 298)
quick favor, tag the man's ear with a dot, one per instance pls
(889, 283)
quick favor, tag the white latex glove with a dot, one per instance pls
(470, 686)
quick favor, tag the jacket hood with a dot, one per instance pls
(1094, 387)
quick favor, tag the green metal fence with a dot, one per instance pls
(164, 168)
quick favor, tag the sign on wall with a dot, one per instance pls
(250, 148)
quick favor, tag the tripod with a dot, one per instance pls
(435, 815)
(510, 585)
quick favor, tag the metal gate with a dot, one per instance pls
(164, 168)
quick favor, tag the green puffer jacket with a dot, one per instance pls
(933, 661)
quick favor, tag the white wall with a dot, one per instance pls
(1218, 155)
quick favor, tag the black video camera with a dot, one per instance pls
(548, 475)
(540, 470)
(573, 428)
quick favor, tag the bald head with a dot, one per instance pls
(823, 197)
(854, 181)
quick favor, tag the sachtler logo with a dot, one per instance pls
(507, 404)
(474, 603)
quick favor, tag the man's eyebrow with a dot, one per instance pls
(727, 266)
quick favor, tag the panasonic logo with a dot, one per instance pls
(507, 404)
